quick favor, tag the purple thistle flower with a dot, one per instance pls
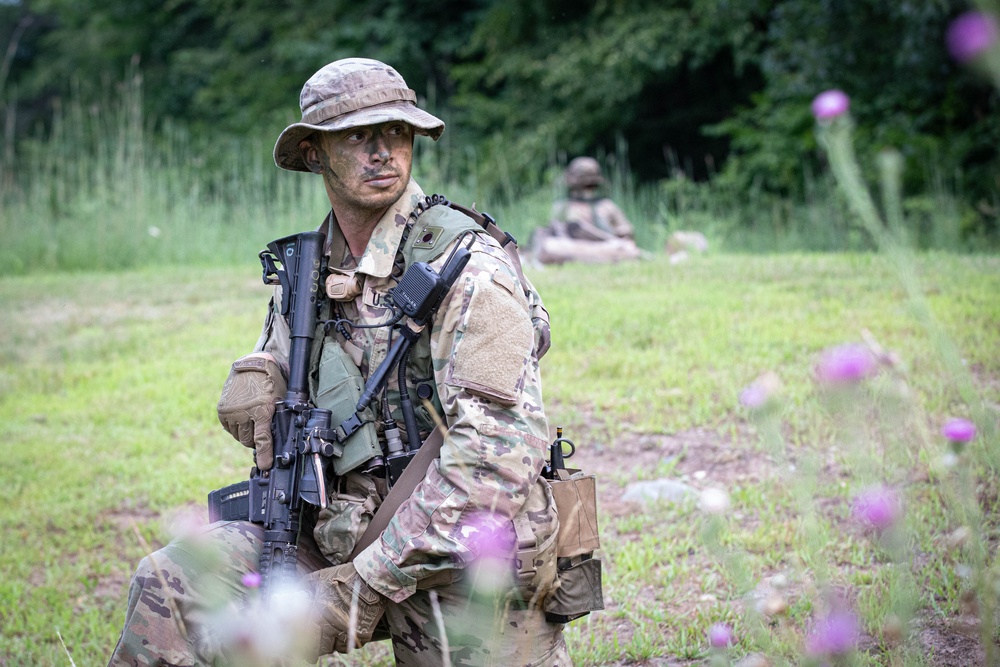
(753, 396)
(836, 634)
(971, 34)
(720, 635)
(488, 535)
(959, 430)
(252, 579)
(830, 104)
(845, 364)
(877, 508)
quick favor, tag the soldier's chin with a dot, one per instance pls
(381, 197)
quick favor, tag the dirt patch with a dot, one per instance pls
(953, 642)
(700, 457)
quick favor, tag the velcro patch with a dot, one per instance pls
(427, 236)
(504, 281)
(494, 347)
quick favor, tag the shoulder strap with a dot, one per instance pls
(505, 239)
(401, 490)
(484, 220)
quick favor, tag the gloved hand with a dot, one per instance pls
(543, 336)
(254, 386)
(333, 597)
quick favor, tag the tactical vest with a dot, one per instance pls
(596, 219)
(336, 382)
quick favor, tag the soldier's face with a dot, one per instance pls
(366, 168)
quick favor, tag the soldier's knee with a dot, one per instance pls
(158, 564)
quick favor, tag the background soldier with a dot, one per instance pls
(585, 226)
(481, 502)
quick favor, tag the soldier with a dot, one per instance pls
(421, 583)
(585, 226)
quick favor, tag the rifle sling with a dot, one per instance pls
(401, 490)
(505, 240)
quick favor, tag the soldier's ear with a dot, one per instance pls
(310, 156)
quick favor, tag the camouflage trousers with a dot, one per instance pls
(190, 604)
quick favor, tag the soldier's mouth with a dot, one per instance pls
(382, 180)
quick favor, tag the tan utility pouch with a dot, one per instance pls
(578, 571)
(576, 503)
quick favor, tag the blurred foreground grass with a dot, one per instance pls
(108, 385)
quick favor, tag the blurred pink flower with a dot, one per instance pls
(971, 34)
(753, 396)
(877, 508)
(760, 392)
(252, 579)
(830, 104)
(487, 535)
(959, 430)
(845, 364)
(720, 635)
(836, 634)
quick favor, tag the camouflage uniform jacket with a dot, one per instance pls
(601, 213)
(478, 353)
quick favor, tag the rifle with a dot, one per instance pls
(304, 441)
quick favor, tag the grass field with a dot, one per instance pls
(108, 385)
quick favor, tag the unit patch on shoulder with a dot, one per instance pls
(428, 236)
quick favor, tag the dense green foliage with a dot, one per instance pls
(689, 86)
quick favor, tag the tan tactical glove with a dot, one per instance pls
(342, 603)
(543, 337)
(255, 384)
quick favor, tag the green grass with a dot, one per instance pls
(108, 385)
(696, 334)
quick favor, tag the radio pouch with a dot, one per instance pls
(577, 570)
(575, 494)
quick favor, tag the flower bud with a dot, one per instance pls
(761, 391)
(959, 537)
(252, 579)
(971, 34)
(959, 430)
(720, 635)
(845, 364)
(830, 104)
(877, 508)
(893, 630)
(714, 501)
(836, 634)
(774, 605)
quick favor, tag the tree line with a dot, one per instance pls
(707, 88)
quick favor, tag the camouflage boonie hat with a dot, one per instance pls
(350, 93)
(583, 172)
